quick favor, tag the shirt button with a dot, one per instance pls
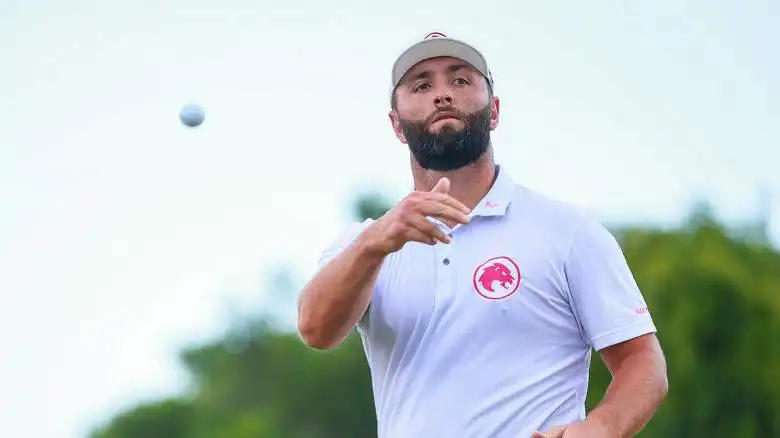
(446, 261)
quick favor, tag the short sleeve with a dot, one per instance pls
(343, 240)
(339, 244)
(606, 299)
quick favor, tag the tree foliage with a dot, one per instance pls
(715, 299)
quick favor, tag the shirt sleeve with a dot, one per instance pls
(343, 240)
(606, 299)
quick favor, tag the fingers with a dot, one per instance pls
(442, 186)
(415, 235)
(555, 432)
(448, 200)
(430, 230)
(410, 221)
(441, 191)
(442, 211)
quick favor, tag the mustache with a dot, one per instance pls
(444, 113)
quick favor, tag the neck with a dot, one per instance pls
(468, 184)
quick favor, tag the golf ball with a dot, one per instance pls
(191, 115)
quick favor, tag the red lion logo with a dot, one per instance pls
(496, 272)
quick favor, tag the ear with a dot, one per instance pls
(494, 110)
(395, 121)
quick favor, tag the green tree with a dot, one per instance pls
(716, 302)
(715, 298)
(167, 418)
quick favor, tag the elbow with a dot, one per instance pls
(663, 384)
(320, 324)
(663, 387)
(660, 385)
(313, 335)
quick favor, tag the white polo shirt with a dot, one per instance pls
(491, 335)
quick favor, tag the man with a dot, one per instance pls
(479, 300)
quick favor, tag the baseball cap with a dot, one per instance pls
(435, 45)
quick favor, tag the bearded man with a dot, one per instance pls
(479, 300)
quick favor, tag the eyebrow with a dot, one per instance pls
(427, 73)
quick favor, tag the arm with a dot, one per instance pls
(615, 321)
(336, 298)
(638, 387)
(339, 294)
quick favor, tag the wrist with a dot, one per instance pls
(602, 426)
(369, 248)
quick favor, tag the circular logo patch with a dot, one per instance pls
(497, 278)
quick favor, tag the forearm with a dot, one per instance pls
(336, 298)
(638, 387)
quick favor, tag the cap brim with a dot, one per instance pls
(435, 48)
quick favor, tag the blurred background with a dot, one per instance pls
(149, 271)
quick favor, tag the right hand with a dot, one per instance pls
(407, 221)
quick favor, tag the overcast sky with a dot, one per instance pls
(123, 233)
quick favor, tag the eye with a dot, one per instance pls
(421, 87)
(461, 81)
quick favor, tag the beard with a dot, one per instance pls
(450, 148)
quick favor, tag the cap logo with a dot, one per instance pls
(435, 35)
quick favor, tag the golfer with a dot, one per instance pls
(479, 300)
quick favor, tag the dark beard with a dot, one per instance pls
(450, 149)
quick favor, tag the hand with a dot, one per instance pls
(407, 221)
(555, 432)
(583, 429)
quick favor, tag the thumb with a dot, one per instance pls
(555, 432)
(443, 186)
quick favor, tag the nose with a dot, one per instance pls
(443, 99)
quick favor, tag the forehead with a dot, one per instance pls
(439, 65)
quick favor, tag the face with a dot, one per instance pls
(445, 113)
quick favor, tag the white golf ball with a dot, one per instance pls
(192, 115)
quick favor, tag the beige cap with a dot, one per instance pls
(435, 45)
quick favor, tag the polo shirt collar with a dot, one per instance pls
(498, 197)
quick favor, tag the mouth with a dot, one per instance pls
(444, 116)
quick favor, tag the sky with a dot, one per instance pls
(125, 235)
